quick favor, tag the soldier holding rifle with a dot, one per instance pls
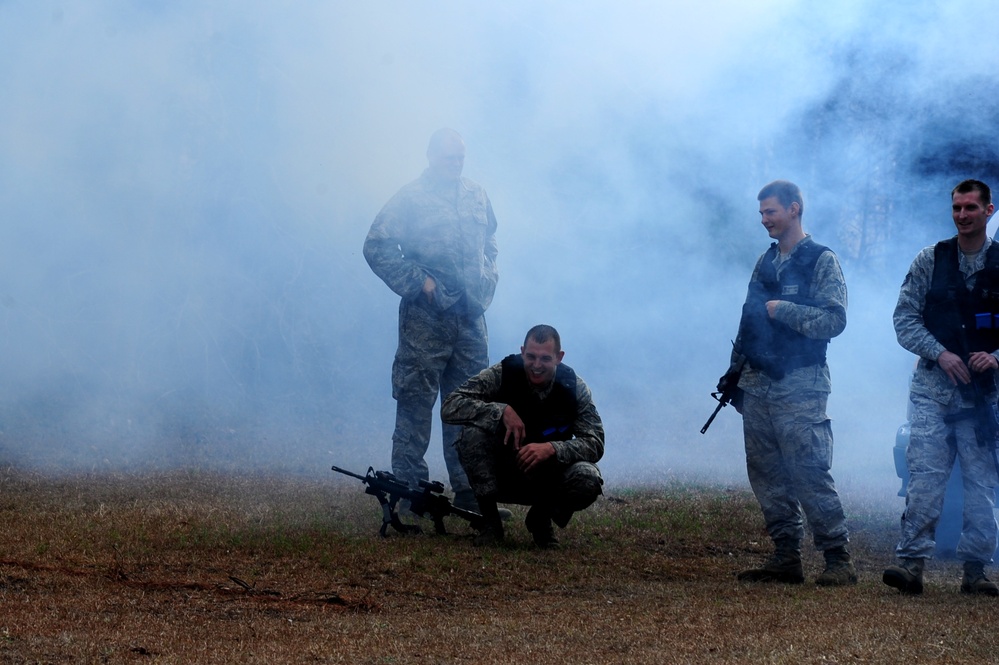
(796, 304)
(948, 315)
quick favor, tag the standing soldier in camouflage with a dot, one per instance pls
(796, 304)
(531, 436)
(434, 245)
(948, 315)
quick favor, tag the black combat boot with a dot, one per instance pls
(840, 570)
(784, 566)
(539, 523)
(907, 577)
(975, 582)
(491, 532)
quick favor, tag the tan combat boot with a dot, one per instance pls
(784, 566)
(907, 577)
(975, 582)
(840, 570)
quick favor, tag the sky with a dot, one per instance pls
(186, 187)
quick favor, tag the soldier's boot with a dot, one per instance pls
(975, 581)
(784, 566)
(539, 523)
(491, 532)
(840, 570)
(907, 577)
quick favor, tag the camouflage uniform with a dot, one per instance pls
(572, 483)
(445, 231)
(934, 443)
(789, 440)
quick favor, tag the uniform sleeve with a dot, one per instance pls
(827, 317)
(910, 329)
(490, 251)
(588, 443)
(383, 252)
(473, 402)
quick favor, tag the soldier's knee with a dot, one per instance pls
(582, 485)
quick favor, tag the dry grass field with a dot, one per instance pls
(196, 568)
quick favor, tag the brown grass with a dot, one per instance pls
(195, 568)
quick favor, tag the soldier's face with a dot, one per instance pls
(448, 159)
(970, 216)
(777, 219)
(540, 361)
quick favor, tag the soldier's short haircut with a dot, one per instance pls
(542, 333)
(786, 192)
(966, 186)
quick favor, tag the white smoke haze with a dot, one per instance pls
(186, 187)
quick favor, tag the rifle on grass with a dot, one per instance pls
(427, 501)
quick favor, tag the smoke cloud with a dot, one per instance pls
(186, 187)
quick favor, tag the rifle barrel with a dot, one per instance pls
(348, 473)
(711, 419)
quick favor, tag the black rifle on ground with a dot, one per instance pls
(428, 501)
(728, 390)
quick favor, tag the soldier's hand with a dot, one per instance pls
(533, 454)
(772, 307)
(730, 379)
(514, 428)
(429, 286)
(980, 361)
(954, 368)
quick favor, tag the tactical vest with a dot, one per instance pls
(963, 320)
(550, 419)
(772, 346)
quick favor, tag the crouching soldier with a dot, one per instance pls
(531, 436)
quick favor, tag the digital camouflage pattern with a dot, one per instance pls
(789, 446)
(572, 483)
(445, 231)
(934, 444)
(441, 230)
(788, 437)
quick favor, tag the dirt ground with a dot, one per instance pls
(195, 568)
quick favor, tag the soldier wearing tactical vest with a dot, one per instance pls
(796, 304)
(531, 435)
(948, 315)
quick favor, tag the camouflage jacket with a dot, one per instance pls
(929, 380)
(442, 230)
(825, 320)
(474, 403)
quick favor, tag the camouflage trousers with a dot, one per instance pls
(933, 446)
(492, 471)
(789, 447)
(438, 351)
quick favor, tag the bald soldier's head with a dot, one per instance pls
(446, 154)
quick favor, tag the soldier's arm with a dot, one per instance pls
(827, 317)
(908, 317)
(473, 402)
(383, 252)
